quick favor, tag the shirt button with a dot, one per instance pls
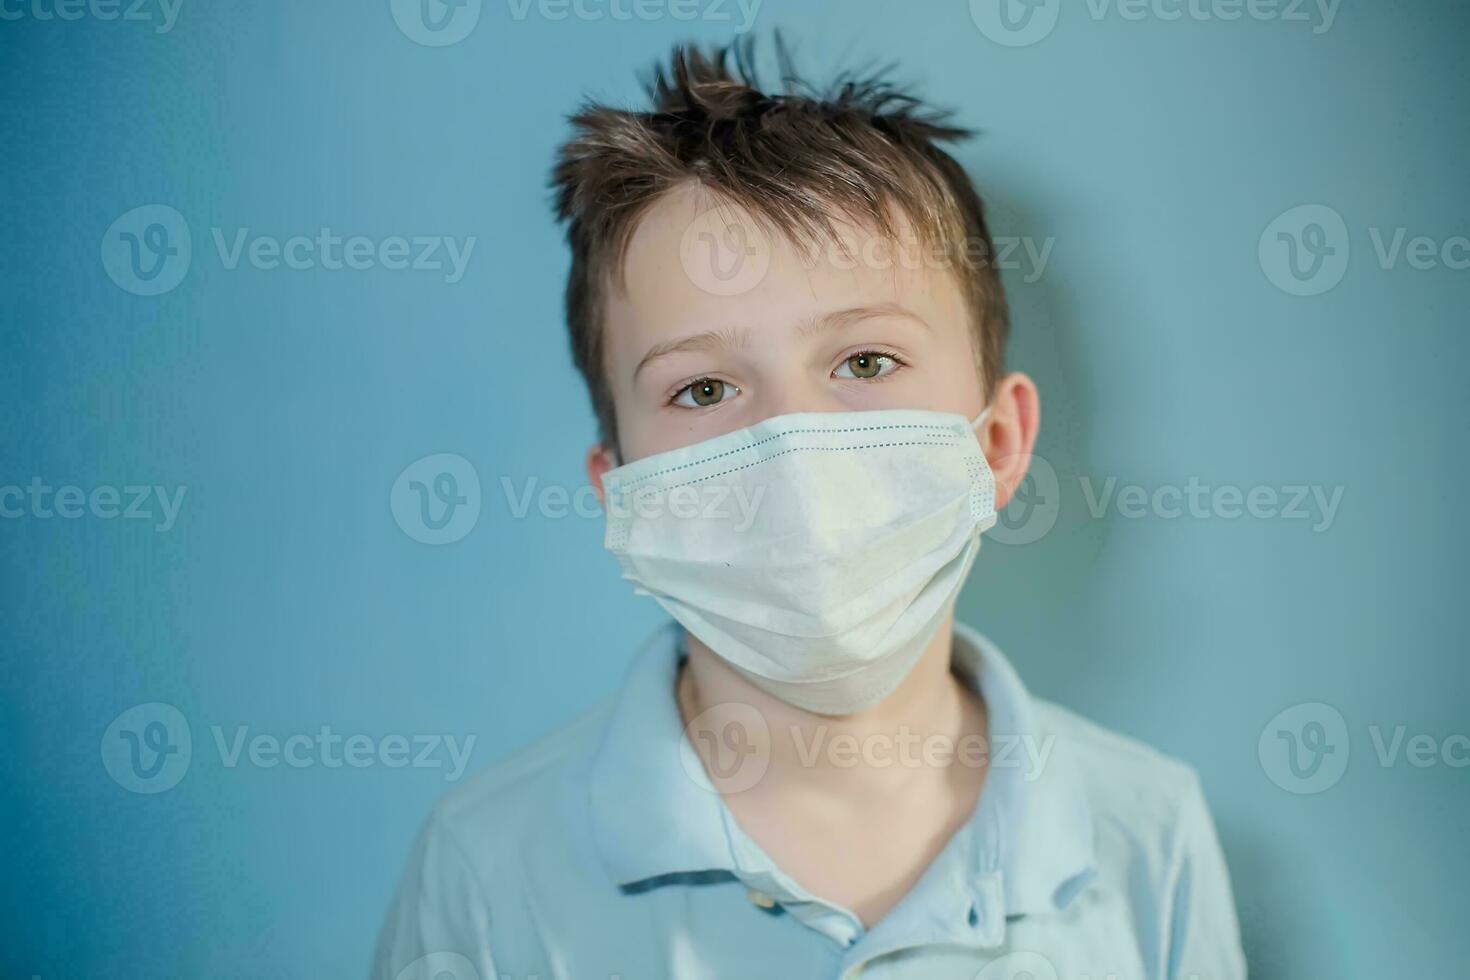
(761, 898)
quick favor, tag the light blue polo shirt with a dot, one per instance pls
(599, 852)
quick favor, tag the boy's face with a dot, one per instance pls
(695, 351)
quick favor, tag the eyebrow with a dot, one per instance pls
(706, 340)
(732, 339)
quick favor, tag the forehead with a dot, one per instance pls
(697, 261)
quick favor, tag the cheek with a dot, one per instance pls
(656, 437)
(959, 371)
(958, 383)
(632, 410)
(636, 430)
(944, 377)
(644, 430)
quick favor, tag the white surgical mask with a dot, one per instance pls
(817, 553)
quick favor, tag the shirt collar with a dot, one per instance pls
(655, 814)
(649, 817)
(1040, 836)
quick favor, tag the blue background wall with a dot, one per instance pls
(1153, 154)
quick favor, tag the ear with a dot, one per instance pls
(600, 459)
(1008, 434)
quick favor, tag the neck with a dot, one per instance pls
(868, 754)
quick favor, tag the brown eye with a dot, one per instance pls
(865, 365)
(708, 392)
(705, 392)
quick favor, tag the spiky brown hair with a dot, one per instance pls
(861, 149)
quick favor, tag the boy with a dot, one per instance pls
(794, 342)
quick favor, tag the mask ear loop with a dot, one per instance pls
(980, 418)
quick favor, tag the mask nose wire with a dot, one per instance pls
(974, 424)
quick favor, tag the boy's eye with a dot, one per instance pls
(704, 392)
(866, 364)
